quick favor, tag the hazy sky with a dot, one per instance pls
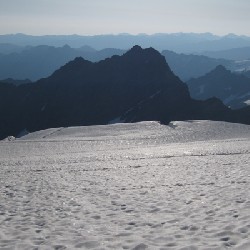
(89, 17)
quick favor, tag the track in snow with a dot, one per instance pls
(127, 186)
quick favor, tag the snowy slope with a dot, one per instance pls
(127, 186)
(177, 131)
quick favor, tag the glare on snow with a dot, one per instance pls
(127, 186)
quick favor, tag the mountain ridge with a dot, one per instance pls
(233, 89)
(41, 61)
(188, 66)
(137, 86)
(178, 42)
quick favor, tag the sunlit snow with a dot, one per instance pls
(127, 186)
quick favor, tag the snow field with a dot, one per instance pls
(127, 186)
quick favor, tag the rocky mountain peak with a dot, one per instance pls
(220, 69)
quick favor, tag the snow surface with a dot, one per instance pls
(127, 186)
(247, 102)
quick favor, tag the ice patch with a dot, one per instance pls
(242, 61)
(247, 102)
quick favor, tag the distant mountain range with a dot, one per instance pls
(15, 82)
(136, 86)
(192, 66)
(7, 48)
(230, 54)
(246, 73)
(231, 88)
(41, 61)
(178, 42)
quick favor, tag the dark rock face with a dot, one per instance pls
(136, 86)
(232, 89)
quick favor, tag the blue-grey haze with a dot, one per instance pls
(89, 17)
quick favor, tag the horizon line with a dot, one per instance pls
(128, 34)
